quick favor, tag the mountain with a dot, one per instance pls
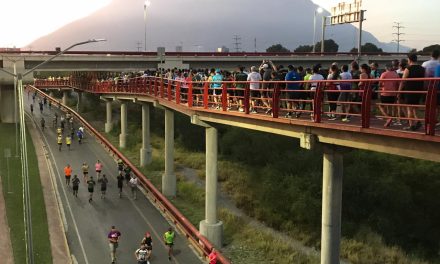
(202, 25)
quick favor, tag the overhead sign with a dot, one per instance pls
(346, 13)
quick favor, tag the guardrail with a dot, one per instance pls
(364, 105)
(191, 233)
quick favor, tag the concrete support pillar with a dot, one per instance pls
(145, 152)
(123, 135)
(169, 178)
(64, 99)
(79, 102)
(109, 121)
(331, 205)
(211, 228)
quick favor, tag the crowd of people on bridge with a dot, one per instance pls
(397, 99)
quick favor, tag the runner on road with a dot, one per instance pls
(148, 242)
(85, 170)
(68, 174)
(75, 185)
(141, 255)
(98, 168)
(133, 185)
(43, 123)
(59, 141)
(79, 134)
(127, 172)
(120, 165)
(68, 141)
(91, 187)
(169, 241)
(113, 239)
(120, 179)
(103, 182)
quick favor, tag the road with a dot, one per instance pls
(89, 223)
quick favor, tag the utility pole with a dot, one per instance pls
(237, 43)
(398, 26)
(139, 46)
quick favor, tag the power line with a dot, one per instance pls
(398, 26)
(237, 43)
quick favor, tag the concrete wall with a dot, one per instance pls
(7, 104)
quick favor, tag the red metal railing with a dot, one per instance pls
(275, 98)
(158, 198)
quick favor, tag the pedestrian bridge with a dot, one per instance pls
(268, 110)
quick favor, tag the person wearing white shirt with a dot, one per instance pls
(431, 64)
(255, 78)
(133, 184)
(316, 76)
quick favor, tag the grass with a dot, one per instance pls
(14, 201)
(246, 243)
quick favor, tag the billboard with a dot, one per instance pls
(346, 13)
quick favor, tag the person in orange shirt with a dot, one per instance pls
(68, 174)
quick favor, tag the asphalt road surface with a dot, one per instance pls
(89, 223)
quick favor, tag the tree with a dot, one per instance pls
(277, 48)
(431, 48)
(304, 48)
(329, 46)
(368, 47)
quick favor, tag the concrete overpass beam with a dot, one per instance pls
(123, 135)
(109, 121)
(211, 228)
(169, 177)
(146, 150)
(331, 205)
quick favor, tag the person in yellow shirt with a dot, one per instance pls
(59, 141)
(68, 141)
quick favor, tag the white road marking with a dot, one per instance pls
(68, 205)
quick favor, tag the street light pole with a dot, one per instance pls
(318, 10)
(324, 21)
(27, 212)
(146, 4)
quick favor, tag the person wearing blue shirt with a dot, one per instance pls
(437, 75)
(292, 94)
(216, 85)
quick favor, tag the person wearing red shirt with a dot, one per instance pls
(213, 256)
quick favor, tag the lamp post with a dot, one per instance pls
(146, 5)
(318, 10)
(27, 212)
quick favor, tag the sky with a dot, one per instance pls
(420, 18)
(23, 21)
(38, 18)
